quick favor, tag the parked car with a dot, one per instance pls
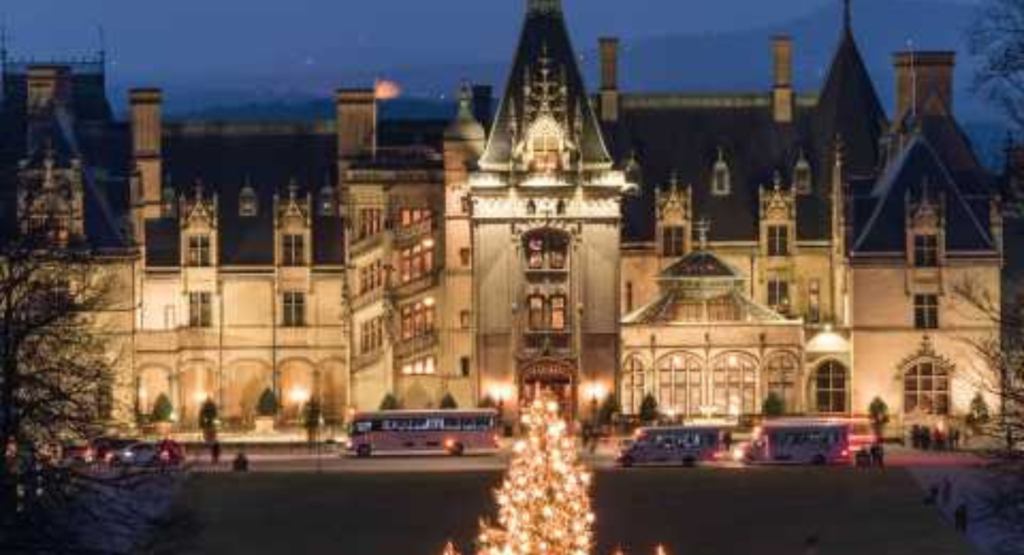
(105, 448)
(78, 452)
(137, 454)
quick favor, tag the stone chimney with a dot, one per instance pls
(782, 77)
(924, 82)
(146, 107)
(48, 85)
(609, 47)
(356, 112)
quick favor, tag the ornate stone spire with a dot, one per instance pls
(544, 6)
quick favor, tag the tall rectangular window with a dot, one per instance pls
(416, 262)
(778, 293)
(417, 320)
(778, 240)
(673, 241)
(926, 251)
(371, 222)
(293, 249)
(926, 312)
(294, 309)
(199, 251)
(200, 309)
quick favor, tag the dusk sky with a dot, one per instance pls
(191, 36)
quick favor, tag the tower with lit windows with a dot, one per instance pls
(546, 217)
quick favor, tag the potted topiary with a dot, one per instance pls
(979, 416)
(266, 412)
(649, 409)
(390, 402)
(162, 415)
(878, 414)
(208, 420)
(448, 402)
(773, 406)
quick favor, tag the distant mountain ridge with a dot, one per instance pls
(733, 61)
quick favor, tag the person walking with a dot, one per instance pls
(878, 454)
(215, 452)
(960, 518)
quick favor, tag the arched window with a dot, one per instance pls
(830, 388)
(633, 385)
(782, 379)
(926, 388)
(248, 204)
(734, 384)
(680, 384)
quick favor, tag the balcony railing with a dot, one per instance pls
(368, 298)
(409, 348)
(559, 342)
(416, 286)
(405, 235)
(367, 243)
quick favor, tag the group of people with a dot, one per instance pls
(934, 439)
(239, 464)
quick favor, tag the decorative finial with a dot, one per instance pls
(703, 228)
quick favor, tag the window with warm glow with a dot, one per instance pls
(830, 382)
(417, 320)
(546, 147)
(926, 388)
(371, 335)
(416, 262)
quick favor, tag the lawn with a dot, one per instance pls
(701, 512)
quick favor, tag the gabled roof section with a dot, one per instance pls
(544, 42)
(700, 264)
(849, 109)
(919, 172)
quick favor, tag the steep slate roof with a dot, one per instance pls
(268, 158)
(849, 110)
(544, 35)
(680, 136)
(82, 129)
(880, 217)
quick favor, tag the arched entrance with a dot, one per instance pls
(549, 378)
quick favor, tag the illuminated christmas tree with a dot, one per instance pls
(543, 503)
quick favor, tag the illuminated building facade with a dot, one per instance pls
(704, 249)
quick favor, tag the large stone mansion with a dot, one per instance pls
(706, 249)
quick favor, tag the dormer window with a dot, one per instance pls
(326, 202)
(248, 204)
(167, 203)
(802, 176)
(545, 145)
(721, 179)
(926, 250)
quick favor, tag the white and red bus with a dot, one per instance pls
(802, 441)
(455, 432)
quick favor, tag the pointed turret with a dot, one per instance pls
(545, 122)
(849, 108)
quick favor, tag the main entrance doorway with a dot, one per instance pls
(549, 380)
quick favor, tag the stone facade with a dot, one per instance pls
(558, 244)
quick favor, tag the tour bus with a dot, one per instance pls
(454, 432)
(817, 442)
(685, 445)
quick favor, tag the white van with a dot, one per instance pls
(800, 442)
(683, 445)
